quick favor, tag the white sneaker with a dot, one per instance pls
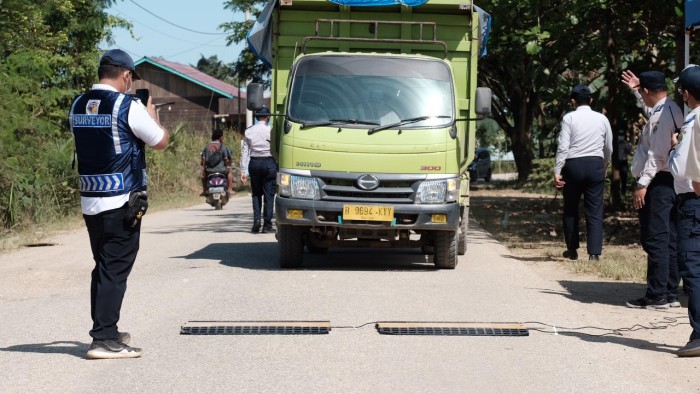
(110, 349)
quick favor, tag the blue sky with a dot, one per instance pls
(156, 37)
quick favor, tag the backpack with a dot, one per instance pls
(213, 155)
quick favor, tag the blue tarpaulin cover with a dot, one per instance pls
(692, 13)
(260, 35)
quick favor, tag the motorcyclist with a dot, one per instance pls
(216, 157)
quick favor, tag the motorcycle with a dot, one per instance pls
(217, 190)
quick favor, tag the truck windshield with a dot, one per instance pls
(381, 91)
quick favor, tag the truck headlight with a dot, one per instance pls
(438, 191)
(296, 186)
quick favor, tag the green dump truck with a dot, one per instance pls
(375, 124)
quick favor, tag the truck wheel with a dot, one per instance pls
(291, 245)
(445, 256)
(463, 226)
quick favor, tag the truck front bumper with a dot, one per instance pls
(330, 214)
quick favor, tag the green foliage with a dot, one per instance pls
(247, 67)
(217, 69)
(48, 52)
(539, 49)
(541, 177)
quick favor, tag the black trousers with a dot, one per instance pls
(584, 176)
(263, 176)
(659, 233)
(689, 257)
(114, 248)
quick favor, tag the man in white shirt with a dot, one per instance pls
(688, 187)
(654, 196)
(583, 153)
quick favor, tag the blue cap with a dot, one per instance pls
(581, 92)
(119, 58)
(652, 80)
(264, 111)
(690, 79)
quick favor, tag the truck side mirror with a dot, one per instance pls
(483, 101)
(255, 96)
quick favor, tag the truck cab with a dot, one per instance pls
(375, 126)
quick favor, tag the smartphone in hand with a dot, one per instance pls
(142, 94)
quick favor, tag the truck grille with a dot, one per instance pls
(342, 187)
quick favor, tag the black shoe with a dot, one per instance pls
(649, 303)
(673, 301)
(593, 257)
(267, 228)
(123, 337)
(256, 227)
(571, 254)
(691, 349)
(110, 348)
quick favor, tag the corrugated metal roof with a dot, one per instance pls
(194, 75)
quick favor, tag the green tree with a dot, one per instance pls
(248, 68)
(216, 68)
(541, 48)
(48, 53)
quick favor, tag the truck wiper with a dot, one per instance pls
(404, 122)
(337, 122)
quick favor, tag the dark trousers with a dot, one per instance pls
(584, 176)
(263, 176)
(114, 248)
(658, 225)
(689, 257)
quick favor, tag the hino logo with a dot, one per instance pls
(367, 182)
(308, 164)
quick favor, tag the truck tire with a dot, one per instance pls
(291, 245)
(445, 256)
(463, 226)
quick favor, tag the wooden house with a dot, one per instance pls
(184, 94)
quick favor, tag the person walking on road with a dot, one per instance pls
(685, 167)
(583, 154)
(654, 196)
(111, 129)
(257, 161)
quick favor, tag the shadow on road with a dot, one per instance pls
(72, 348)
(263, 256)
(624, 341)
(225, 222)
(607, 293)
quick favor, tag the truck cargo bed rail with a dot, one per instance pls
(374, 27)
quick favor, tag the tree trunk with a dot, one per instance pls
(613, 81)
(521, 133)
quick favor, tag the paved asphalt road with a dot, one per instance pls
(201, 264)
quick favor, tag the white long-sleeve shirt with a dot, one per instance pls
(584, 133)
(678, 159)
(256, 143)
(655, 141)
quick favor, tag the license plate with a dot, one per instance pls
(375, 213)
(213, 190)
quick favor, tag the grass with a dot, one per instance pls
(530, 226)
